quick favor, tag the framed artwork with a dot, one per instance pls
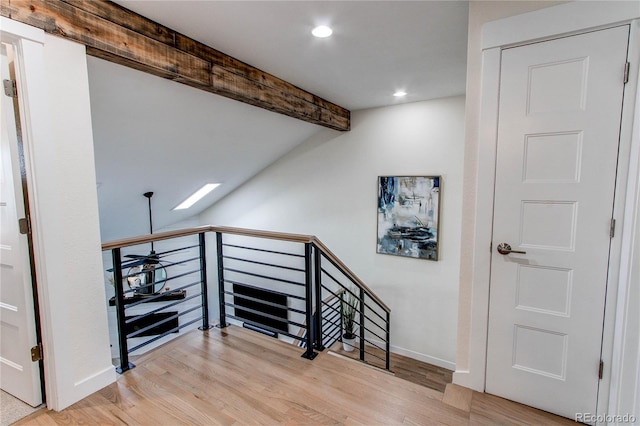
(408, 216)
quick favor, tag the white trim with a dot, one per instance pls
(557, 21)
(424, 358)
(14, 30)
(474, 377)
(622, 334)
(621, 213)
(546, 23)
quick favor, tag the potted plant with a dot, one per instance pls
(348, 311)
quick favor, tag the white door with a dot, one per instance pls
(558, 131)
(19, 376)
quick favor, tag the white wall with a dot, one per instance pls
(68, 216)
(328, 187)
(61, 177)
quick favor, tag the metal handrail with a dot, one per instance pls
(147, 238)
(281, 236)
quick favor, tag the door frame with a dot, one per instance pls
(77, 359)
(23, 199)
(546, 24)
(28, 43)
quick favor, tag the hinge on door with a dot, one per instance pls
(626, 73)
(24, 226)
(36, 353)
(612, 229)
(10, 88)
(600, 370)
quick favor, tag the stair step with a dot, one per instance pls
(357, 361)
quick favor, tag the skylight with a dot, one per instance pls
(197, 196)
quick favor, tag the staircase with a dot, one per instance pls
(288, 286)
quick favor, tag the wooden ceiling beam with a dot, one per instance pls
(119, 35)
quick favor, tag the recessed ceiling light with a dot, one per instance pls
(196, 196)
(400, 93)
(322, 31)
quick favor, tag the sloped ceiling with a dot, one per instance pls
(156, 135)
(152, 134)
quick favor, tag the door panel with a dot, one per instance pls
(558, 132)
(19, 376)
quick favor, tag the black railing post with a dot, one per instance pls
(309, 353)
(318, 287)
(342, 302)
(223, 313)
(203, 282)
(388, 340)
(120, 315)
(361, 324)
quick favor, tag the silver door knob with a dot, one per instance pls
(504, 248)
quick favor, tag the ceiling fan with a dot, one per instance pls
(146, 275)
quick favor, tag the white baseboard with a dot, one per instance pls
(424, 358)
(417, 355)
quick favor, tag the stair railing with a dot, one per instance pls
(157, 293)
(264, 282)
(288, 285)
(334, 278)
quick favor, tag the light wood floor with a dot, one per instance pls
(403, 367)
(238, 377)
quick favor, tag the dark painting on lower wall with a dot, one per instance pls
(408, 216)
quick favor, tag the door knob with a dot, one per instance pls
(504, 248)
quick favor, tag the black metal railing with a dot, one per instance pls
(284, 285)
(264, 287)
(342, 292)
(159, 292)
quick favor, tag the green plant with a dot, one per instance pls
(348, 311)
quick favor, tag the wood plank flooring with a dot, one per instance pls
(238, 377)
(406, 368)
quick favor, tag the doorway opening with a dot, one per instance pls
(22, 374)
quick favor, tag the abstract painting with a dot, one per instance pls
(408, 216)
